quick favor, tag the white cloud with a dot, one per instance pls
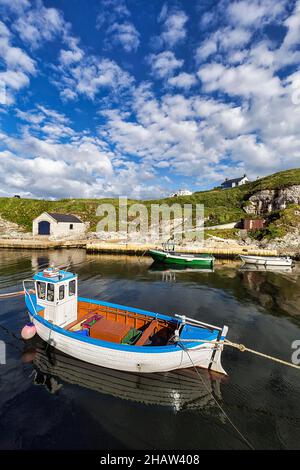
(174, 29)
(30, 117)
(120, 31)
(112, 11)
(71, 56)
(293, 25)
(90, 75)
(17, 6)
(53, 169)
(252, 12)
(4, 31)
(256, 153)
(243, 80)
(14, 79)
(206, 49)
(47, 122)
(84, 167)
(262, 55)
(230, 38)
(289, 53)
(126, 35)
(19, 66)
(169, 131)
(15, 58)
(225, 40)
(183, 80)
(164, 64)
(40, 24)
(245, 12)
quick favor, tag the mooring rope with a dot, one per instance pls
(49, 338)
(76, 264)
(11, 294)
(141, 256)
(242, 348)
(15, 294)
(216, 401)
(13, 335)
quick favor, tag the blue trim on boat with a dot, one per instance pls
(106, 344)
(130, 309)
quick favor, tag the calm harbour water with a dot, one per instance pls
(51, 401)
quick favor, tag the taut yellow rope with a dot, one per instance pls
(242, 348)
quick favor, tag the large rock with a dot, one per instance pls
(287, 245)
(10, 229)
(268, 200)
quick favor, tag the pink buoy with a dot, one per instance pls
(28, 331)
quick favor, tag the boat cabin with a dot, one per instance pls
(56, 291)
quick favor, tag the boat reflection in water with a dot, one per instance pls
(185, 389)
(168, 273)
(264, 268)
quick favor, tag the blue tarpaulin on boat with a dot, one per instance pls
(195, 332)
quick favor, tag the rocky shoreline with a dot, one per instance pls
(220, 248)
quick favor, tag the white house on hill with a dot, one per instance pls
(51, 223)
(234, 182)
(181, 192)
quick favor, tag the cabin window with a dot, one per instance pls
(50, 292)
(71, 226)
(61, 292)
(41, 290)
(72, 287)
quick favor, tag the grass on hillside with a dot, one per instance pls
(279, 180)
(221, 206)
(232, 233)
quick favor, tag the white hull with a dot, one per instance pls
(199, 356)
(267, 260)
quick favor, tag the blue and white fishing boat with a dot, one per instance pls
(115, 336)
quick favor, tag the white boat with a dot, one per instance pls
(118, 337)
(267, 260)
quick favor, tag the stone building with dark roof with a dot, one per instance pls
(58, 225)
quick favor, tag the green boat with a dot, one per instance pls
(184, 259)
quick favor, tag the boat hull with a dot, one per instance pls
(144, 359)
(267, 261)
(172, 259)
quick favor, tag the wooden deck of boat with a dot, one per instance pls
(116, 323)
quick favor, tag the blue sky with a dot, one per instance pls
(104, 98)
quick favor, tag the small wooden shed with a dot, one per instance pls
(253, 224)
